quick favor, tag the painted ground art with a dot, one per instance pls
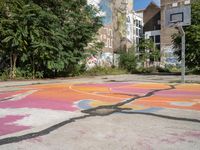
(32, 108)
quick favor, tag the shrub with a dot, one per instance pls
(128, 61)
(96, 71)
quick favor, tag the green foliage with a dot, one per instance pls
(148, 51)
(47, 37)
(146, 70)
(192, 39)
(96, 71)
(128, 60)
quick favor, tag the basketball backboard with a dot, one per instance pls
(180, 15)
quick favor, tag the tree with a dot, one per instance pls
(192, 39)
(128, 60)
(148, 51)
(47, 36)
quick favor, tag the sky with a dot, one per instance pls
(141, 4)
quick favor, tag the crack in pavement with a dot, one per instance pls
(116, 106)
(46, 131)
(97, 111)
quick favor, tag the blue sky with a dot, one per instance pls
(141, 4)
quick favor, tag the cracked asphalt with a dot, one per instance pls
(111, 112)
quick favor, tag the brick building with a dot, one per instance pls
(151, 29)
(166, 32)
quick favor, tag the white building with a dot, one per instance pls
(137, 28)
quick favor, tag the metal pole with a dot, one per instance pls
(183, 59)
(182, 53)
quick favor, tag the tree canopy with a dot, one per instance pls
(45, 37)
(192, 39)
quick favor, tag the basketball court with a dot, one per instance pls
(39, 115)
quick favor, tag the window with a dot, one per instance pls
(140, 32)
(137, 23)
(111, 40)
(137, 32)
(140, 24)
(137, 41)
(108, 42)
(151, 38)
(158, 46)
(157, 39)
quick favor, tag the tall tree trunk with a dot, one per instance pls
(13, 60)
(11, 65)
(33, 67)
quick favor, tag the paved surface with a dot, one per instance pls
(110, 112)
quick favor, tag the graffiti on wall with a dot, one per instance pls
(104, 60)
(169, 57)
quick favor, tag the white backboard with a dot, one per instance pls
(181, 15)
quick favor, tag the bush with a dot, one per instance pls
(96, 71)
(196, 71)
(128, 61)
(163, 70)
(146, 70)
(4, 76)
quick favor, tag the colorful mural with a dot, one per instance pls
(105, 59)
(37, 106)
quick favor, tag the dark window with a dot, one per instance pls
(141, 32)
(151, 38)
(137, 23)
(137, 32)
(137, 41)
(157, 39)
(158, 46)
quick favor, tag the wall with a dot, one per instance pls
(151, 18)
(104, 59)
(166, 32)
(117, 32)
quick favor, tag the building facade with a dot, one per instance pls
(167, 32)
(151, 24)
(117, 30)
(137, 28)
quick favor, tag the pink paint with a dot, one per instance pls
(176, 93)
(194, 134)
(42, 104)
(103, 85)
(11, 94)
(131, 90)
(8, 126)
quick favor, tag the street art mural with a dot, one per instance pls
(105, 59)
(29, 108)
(168, 57)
